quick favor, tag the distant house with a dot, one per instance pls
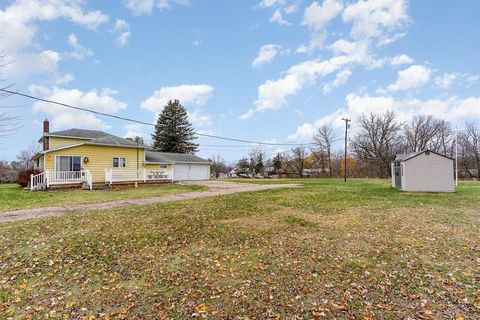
(78, 156)
(423, 171)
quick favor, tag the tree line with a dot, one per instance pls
(375, 142)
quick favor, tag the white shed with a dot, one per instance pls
(423, 171)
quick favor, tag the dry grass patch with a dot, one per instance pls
(366, 252)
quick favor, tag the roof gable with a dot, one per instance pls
(407, 156)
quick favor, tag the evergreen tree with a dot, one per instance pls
(277, 162)
(138, 140)
(173, 132)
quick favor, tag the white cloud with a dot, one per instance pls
(272, 94)
(280, 7)
(471, 80)
(454, 109)
(340, 79)
(413, 77)
(401, 59)
(387, 39)
(265, 55)
(134, 130)
(278, 18)
(63, 79)
(271, 3)
(200, 120)
(18, 28)
(123, 38)
(445, 81)
(122, 29)
(371, 17)
(61, 117)
(138, 7)
(197, 94)
(31, 63)
(79, 52)
(317, 15)
(317, 40)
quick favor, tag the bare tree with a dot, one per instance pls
(443, 141)
(25, 156)
(378, 140)
(471, 142)
(298, 159)
(324, 139)
(8, 124)
(257, 158)
(217, 165)
(426, 132)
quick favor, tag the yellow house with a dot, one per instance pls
(84, 157)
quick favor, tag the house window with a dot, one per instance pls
(163, 166)
(119, 162)
(68, 163)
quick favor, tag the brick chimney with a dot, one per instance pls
(46, 130)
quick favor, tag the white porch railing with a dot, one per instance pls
(89, 179)
(125, 174)
(38, 179)
(65, 177)
(48, 178)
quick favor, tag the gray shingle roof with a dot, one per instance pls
(407, 156)
(96, 137)
(167, 157)
(79, 133)
(113, 141)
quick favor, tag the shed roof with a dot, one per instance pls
(407, 156)
(168, 157)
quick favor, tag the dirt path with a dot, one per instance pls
(216, 188)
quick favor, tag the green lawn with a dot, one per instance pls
(13, 197)
(359, 250)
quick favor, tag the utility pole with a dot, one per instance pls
(456, 156)
(346, 137)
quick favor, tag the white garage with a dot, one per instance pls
(423, 171)
(182, 166)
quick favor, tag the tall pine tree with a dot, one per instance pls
(173, 132)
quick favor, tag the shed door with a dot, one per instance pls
(398, 175)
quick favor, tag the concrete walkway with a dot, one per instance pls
(216, 188)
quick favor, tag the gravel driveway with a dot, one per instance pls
(216, 188)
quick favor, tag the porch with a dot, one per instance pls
(113, 176)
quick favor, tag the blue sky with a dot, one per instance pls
(271, 70)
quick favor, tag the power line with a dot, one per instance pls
(143, 122)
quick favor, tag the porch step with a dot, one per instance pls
(99, 186)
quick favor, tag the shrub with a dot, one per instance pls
(24, 176)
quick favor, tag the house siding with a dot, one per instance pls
(57, 142)
(428, 173)
(152, 166)
(100, 158)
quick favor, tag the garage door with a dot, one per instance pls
(190, 172)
